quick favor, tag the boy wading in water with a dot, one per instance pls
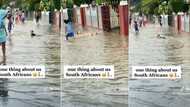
(68, 29)
(136, 27)
(3, 33)
(37, 16)
(10, 21)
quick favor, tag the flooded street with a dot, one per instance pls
(146, 49)
(41, 50)
(101, 49)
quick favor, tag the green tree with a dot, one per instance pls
(149, 6)
(99, 1)
(111, 2)
(50, 4)
(1, 3)
(57, 4)
(161, 6)
(178, 6)
(78, 2)
(5, 3)
(164, 8)
(44, 4)
(69, 3)
(31, 5)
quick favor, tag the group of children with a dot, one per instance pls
(137, 22)
(17, 17)
(8, 14)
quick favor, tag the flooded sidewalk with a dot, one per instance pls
(22, 49)
(101, 48)
(146, 49)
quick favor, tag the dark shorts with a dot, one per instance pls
(70, 34)
(10, 26)
(136, 28)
